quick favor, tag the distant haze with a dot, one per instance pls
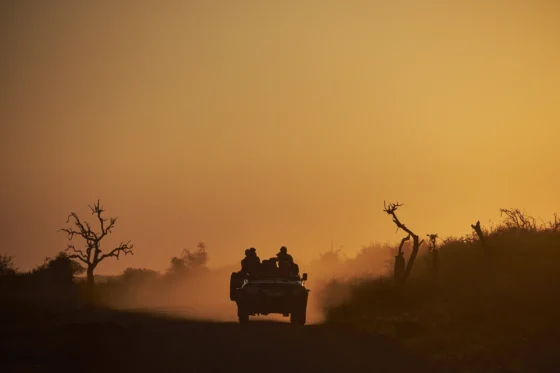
(270, 123)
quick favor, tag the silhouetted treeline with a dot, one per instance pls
(57, 284)
(141, 287)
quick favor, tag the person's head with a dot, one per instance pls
(283, 250)
(247, 252)
(253, 251)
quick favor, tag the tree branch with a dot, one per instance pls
(402, 243)
(96, 209)
(125, 248)
(88, 234)
(73, 248)
(391, 211)
(77, 256)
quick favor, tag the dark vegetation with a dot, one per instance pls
(186, 275)
(484, 302)
(58, 285)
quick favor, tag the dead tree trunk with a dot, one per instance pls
(415, 247)
(484, 244)
(416, 243)
(400, 263)
(90, 278)
(486, 249)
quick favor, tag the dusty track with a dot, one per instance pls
(110, 341)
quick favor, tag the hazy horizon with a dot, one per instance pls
(272, 123)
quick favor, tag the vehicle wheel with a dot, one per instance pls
(234, 283)
(293, 317)
(242, 315)
(302, 317)
(298, 317)
(243, 319)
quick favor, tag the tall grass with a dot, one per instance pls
(481, 315)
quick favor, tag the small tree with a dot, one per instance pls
(416, 243)
(93, 255)
(433, 253)
(7, 265)
(196, 259)
(189, 261)
(59, 271)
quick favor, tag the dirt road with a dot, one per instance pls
(110, 341)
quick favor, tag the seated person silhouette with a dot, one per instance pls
(286, 265)
(251, 263)
(269, 269)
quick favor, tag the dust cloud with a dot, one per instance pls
(203, 293)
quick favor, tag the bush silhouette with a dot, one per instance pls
(504, 310)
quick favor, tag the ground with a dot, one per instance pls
(119, 341)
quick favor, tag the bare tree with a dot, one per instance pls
(190, 261)
(416, 243)
(196, 259)
(91, 255)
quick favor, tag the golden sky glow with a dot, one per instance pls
(269, 123)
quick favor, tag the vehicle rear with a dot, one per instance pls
(287, 297)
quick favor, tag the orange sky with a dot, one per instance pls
(269, 123)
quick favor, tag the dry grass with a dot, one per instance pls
(477, 317)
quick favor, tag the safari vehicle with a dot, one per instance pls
(269, 292)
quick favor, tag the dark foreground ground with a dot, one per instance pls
(111, 341)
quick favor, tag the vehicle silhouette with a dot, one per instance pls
(269, 290)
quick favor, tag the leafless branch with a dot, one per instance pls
(515, 218)
(112, 222)
(392, 207)
(86, 233)
(73, 248)
(391, 210)
(78, 254)
(125, 248)
(402, 243)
